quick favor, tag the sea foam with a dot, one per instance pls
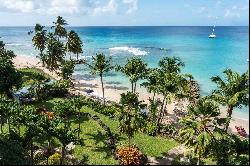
(135, 51)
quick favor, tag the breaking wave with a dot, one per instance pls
(135, 51)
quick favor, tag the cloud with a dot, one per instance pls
(86, 7)
(133, 5)
(111, 7)
(230, 13)
(202, 10)
(17, 5)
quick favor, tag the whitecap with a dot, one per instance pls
(13, 44)
(135, 51)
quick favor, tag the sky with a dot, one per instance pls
(126, 12)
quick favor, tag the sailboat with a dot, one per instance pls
(212, 35)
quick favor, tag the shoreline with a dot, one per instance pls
(112, 92)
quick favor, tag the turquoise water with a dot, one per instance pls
(203, 57)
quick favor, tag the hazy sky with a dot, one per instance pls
(125, 12)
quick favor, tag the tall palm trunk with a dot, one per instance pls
(154, 97)
(161, 110)
(199, 159)
(79, 125)
(32, 151)
(8, 121)
(135, 88)
(102, 89)
(132, 88)
(1, 123)
(229, 114)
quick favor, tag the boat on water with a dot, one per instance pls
(212, 35)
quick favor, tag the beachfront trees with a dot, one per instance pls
(74, 43)
(232, 92)
(53, 51)
(197, 126)
(152, 83)
(67, 69)
(100, 65)
(171, 83)
(135, 69)
(10, 77)
(39, 39)
(60, 30)
(128, 118)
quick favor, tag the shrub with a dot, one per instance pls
(55, 159)
(151, 128)
(130, 156)
(67, 69)
(169, 130)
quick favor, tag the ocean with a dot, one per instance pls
(203, 57)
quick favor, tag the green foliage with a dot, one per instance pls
(12, 152)
(152, 78)
(32, 75)
(55, 159)
(64, 109)
(60, 30)
(151, 128)
(55, 53)
(135, 69)
(67, 69)
(53, 50)
(74, 43)
(57, 89)
(231, 149)
(6, 53)
(39, 39)
(195, 130)
(10, 77)
(233, 91)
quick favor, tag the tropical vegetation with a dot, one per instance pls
(50, 125)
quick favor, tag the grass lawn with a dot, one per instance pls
(94, 139)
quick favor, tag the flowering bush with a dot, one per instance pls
(130, 156)
(55, 159)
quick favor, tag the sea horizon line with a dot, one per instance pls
(130, 26)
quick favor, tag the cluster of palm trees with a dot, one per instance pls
(53, 49)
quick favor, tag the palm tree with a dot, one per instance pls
(135, 69)
(197, 126)
(172, 84)
(100, 65)
(60, 31)
(39, 39)
(130, 118)
(232, 92)
(65, 135)
(74, 43)
(55, 53)
(152, 82)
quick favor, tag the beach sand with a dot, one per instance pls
(113, 93)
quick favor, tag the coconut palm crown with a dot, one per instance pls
(233, 91)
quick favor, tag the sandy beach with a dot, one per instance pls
(113, 93)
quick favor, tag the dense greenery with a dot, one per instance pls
(9, 77)
(47, 128)
(100, 65)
